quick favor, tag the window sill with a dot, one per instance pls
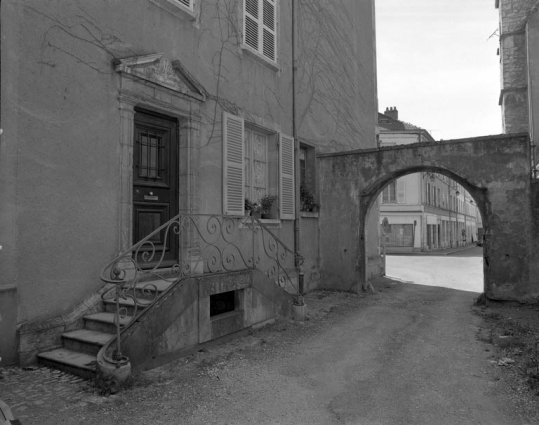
(309, 214)
(175, 9)
(269, 223)
(253, 54)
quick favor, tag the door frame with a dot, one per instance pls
(150, 119)
(187, 112)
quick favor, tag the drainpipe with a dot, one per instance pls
(297, 219)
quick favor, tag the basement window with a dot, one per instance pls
(222, 303)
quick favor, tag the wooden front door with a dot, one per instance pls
(155, 184)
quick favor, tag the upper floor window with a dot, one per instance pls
(389, 194)
(259, 27)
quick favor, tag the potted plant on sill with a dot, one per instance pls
(307, 199)
(249, 207)
(266, 203)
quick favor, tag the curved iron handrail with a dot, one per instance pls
(207, 243)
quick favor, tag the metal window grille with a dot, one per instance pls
(151, 149)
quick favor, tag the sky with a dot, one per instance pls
(438, 67)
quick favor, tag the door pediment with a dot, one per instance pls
(159, 70)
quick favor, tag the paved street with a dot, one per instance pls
(406, 355)
(462, 270)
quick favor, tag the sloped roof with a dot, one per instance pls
(387, 123)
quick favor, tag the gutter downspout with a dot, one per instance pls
(297, 219)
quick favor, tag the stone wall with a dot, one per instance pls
(513, 64)
(495, 171)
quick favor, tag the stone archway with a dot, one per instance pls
(495, 170)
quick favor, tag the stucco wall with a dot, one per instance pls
(533, 72)
(60, 153)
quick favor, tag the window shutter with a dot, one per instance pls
(268, 29)
(259, 27)
(186, 3)
(286, 178)
(250, 26)
(401, 195)
(233, 171)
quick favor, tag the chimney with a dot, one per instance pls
(392, 112)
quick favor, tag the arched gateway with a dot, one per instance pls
(495, 170)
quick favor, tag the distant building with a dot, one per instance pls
(425, 211)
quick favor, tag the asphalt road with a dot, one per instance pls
(462, 270)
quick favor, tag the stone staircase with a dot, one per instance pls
(78, 354)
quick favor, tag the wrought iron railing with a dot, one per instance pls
(205, 244)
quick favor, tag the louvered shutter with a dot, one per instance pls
(259, 27)
(286, 178)
(233, 171)
(268, 29)
(401, 194)
(186, 3)
(250, 25)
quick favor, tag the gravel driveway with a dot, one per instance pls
(408, 354)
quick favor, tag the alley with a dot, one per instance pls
(405, 355)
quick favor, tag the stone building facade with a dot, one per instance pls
(519, 68)
(84, 79)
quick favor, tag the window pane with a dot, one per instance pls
(259, 174)
(247, 164)
(259, 147)
(302, 165)
(143, 157)
(393, 192)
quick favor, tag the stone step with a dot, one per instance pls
(76, 363)
(103, 322)
(128, 304)
(152, 285)
(85, 340)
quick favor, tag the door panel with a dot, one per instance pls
(155, 183)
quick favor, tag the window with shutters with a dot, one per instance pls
(260, 27)
(256, 162)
